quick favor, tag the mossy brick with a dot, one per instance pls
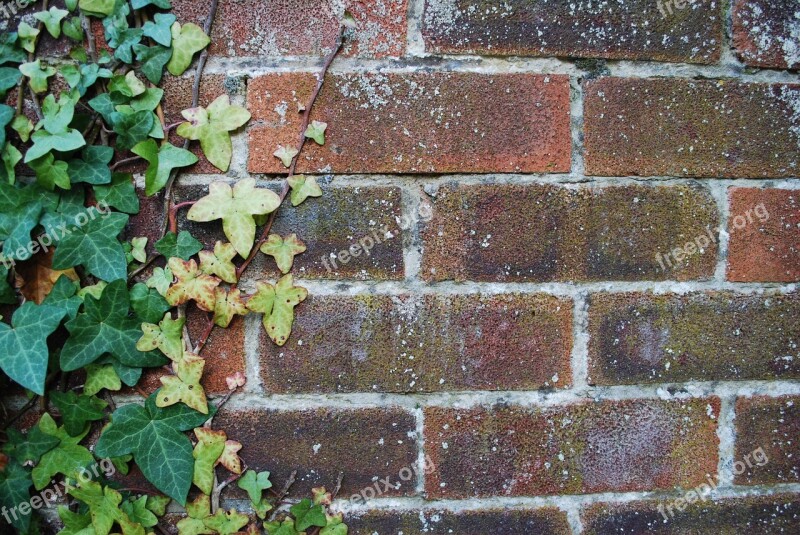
(422, 343)
(585, 448)
(362, 444)
(272, 28)
(767, 33)
(640, 338)
(773, 425)
(691, 128)
(548, 232)
(424, 122)
(754, 515)
(638, 29)
(764, 228)
(544, 521)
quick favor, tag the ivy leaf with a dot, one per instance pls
(197, 510)
(226, 523)
(306, 514)
(187, 40)
(138, 512)
(228, 304)
(158, 504)
(277, 304)
(31, 447)
(27, 36)
(68, 458)
(50, 172)
(11, 157)
(236, 207)
(316, 131)
(7, 295)
(22, 126)
(303, 187)
(52, 20)
(278, 528)
(160, 280)
(153, 59)
(283, 250)
(73, 29)
(183, 245)
(219, 262)
(154, 438)
(286, 155)
(74, 523)
(185, 386)
(335, 525)
(15, 484)
(92, 166)
(58, 115)
(139, 4)
(128, 85)
(191, 284)
(120, 194)
(230, 457)
(167, 336)
(9, 77)
(99, 377)
(76, 411)
(104, 508)
(254, 483)
(37, 74)
(149, 305)
(212, 128)
(96, 247)
(44, 142)
(159, 31)
(148, 101)
(210, 445)
(162, 161)
(62, 293)
(23, 346)
(138, 249)
(9, 53)
(106, 327)
(97, 7)
(132, 128)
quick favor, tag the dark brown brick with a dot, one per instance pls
(694, 128)
(755, 515)
(770, 427)
(261, 28)
(363, 444)
(645, 338)
(416, 123)
(545, 521)
(541, 233)
(576, 449)
(639, 29)
(764, 227)
(767, 33)
(423, 343)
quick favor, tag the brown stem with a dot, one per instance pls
(126, 161)
(87, 29)
(206, 334)
(173, 215)
(282, 495)
(143, 267)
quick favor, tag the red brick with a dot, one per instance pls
(772, 424)
(576, 449)
(764, 228)
(753, 515)
(542, 233)
(301, 27)
(767, 33)
(417, 122)
(423, 343)
(694, 128)
(616, 30)
(715, 336)
(363, 444)
(545, 521)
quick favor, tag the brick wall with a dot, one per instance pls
(591, 308)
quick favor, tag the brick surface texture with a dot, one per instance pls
(553, 274)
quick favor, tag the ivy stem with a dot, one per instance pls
(282, 495)
(31, 56)
(173, 215)
(126, 161)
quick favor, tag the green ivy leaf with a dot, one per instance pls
(51, 172)
(158, 504)
(120, 194)
(15, 484)
(73, 29)
(316, 131)
(139, 4)
(226, 522)
(212, 128)
(187, 40)
(104, 508)
(132, 128)
(9, 77)
(96, 247)
(154, 437)
(99, 377)
(44, 142)
(278, 528)
(23, 346)
(277, 304)
(68, 458)
(11, 157)
(23, 126)
(139, 249)
(306, 514)
(236, 207)
(198, 510)
(153, 59)
(147, 101)
(161, 280)
(92, 167)
(335, 525)
(183, 245)
(254, 483)
(283, 250)
(58, 115)
(37, 74)
(27, 36)
(210, 445)
(158, 29)
(220, 262)
(138, 512)
(76, 411)
(97, 7)
(7, 294)
(52, 20)
(162, 161)
(9, 53)
(303, 187)
(63, 296)
(228, 304)
(74, 523)
(167, 337)
(149, 305)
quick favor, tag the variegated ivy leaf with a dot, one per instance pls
(228, 304)
(187, 40)
(197, 510)
(285, 155)
(212, 128)
(210, 445)
(191, 285)
(219, 262)
(316, 131)
(277, 304)
(230, 457)
(235, 381)
(167, 336)
(226, 522)
(283, 250)
(303, 187)
(138, 251)
(236, 207)
(161, 280)
(184, 387)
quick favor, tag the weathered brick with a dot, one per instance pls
(645, 338)
(364, 444)
(695, 128)
(583, 448)
(754, 515)
(545, 521)
(511, 233)
(764, 228)
(423, 343)
(301, 27)
(639, 29)
(767, 33)
(417, 122)
(772, 424)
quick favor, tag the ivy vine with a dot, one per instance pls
(90, 311)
